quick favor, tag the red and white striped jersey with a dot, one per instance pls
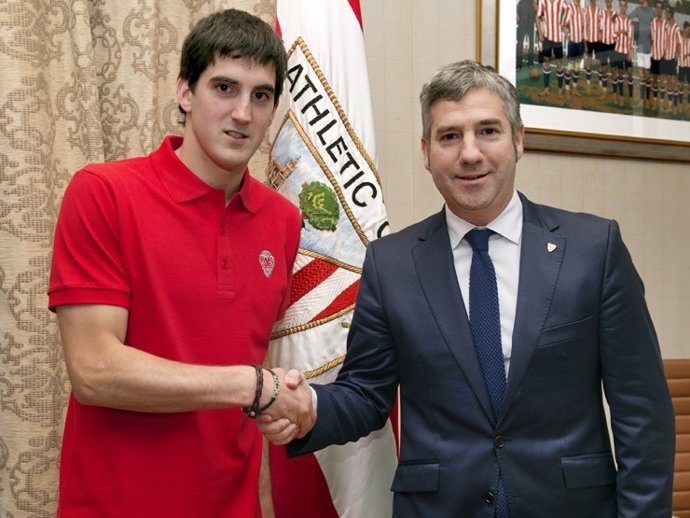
(673, 37)
(552, 13)
(658, 28)
(684, 60)
(574, 19)
(608, 27)
(624, 34)
(593, 19)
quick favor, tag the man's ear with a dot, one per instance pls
(519, 142)
(184, 94)
(425, 153)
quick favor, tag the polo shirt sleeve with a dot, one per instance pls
(87, 265)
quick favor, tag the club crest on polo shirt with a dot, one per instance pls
(267, 262)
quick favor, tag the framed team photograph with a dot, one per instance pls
(595, 99)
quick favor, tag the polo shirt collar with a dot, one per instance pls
(248, 193)
(183, 185)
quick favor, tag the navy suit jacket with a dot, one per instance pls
(582, 327)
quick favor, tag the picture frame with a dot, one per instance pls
(574, 131)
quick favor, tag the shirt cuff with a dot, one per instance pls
(314, 398)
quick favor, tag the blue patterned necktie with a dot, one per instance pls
(485, 323)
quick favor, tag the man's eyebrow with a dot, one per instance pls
(490, 122)
(266, 86)
(493, 121)
(226, 79)
(447, 127)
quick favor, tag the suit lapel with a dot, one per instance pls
(433, 259)
(540, 264)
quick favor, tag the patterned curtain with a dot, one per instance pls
(80, 81)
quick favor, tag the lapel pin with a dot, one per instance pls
(550, 247)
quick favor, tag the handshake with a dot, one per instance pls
(289, 412)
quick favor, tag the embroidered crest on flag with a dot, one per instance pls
(318, 162)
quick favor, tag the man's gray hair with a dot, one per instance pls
(454, 81)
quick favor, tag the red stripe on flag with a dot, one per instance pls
(358, 12)
(345, 300)
(309, 277)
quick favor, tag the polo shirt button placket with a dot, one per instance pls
(226, 260)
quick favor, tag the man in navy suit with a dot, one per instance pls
(574, 329)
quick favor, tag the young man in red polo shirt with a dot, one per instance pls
(168, 273)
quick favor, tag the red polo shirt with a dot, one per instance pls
(203, 282)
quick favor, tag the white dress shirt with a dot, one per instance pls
(504, 249)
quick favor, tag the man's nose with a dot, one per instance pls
(241, 110)
(470, 152)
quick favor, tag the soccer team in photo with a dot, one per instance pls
(633, 56)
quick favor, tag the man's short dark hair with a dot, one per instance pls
(455, 80)
(236, 34)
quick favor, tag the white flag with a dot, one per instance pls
(323, 160)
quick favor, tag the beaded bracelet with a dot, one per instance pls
(274, 394)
